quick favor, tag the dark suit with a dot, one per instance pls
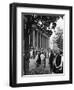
(38, 60)
(51, 59)
(58, 60)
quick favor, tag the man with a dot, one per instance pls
(51, 59)
(38, 59)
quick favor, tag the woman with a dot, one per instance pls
(42, 56)
(58, 64)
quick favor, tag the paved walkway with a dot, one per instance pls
(32, 64)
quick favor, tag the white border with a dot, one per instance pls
(42, 78)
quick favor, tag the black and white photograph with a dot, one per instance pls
(42, 44)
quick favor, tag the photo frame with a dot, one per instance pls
(40, 44)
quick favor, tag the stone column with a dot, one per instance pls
(40, 40)
(37, 39)
(29, 39)
(33, 38)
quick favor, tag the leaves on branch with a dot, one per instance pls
(40, 22)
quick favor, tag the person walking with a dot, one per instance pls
(38, 59)
(42, 56)
(51, 59)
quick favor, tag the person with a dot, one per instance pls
(38, 59)
(49, 53)
(58, 65)
(36, 56)
(51, 59)
(45, 60)
(42, 56)
(31, 53)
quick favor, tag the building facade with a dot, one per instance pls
(38, 40)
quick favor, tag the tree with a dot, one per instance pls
(58, 41)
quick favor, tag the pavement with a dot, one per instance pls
(32, 64)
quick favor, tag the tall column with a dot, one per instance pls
(40, 40)
(37, 39)
(29, 39)
(34, 38)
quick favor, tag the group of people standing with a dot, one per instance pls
(54, 59)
